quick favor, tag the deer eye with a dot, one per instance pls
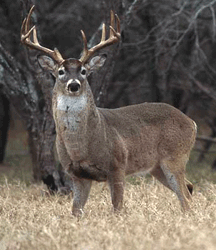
(61, 72)
(83, 72)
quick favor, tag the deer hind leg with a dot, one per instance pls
(174, 174)
(159, 175)
(81, 190)
(189, 186)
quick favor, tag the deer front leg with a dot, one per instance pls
(81, 190)
(116, 183)
(62, 153)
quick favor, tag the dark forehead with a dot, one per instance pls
(71, 64)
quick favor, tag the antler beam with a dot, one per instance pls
(114, 37)
(26, 33)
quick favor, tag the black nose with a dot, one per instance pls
(73, 86)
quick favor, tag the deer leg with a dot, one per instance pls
(176, 180)
(159, 175)
(116, 184)
(81, 190)
(62, 153)
(189, 186)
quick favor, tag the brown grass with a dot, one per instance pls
(151, 219)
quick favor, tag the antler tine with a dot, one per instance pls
(118, 24)
(35, 40)
(25, 39)
(114, 37)
(112, 22)
(28, 19)
(85, 48)
(112, 30)
(25, 29)
(103, 36)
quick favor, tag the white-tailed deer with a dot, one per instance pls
(107, 144)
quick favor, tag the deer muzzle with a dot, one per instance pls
(73, 85)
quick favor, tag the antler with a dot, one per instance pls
(25, 39)
(114, 37)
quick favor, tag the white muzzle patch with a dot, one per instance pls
(73, 85)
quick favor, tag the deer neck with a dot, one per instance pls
(75, 116)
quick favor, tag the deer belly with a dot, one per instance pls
(141, 159)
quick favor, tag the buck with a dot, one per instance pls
(107, 144)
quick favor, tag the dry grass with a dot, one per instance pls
(151, 219)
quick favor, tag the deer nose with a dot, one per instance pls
(73, 85)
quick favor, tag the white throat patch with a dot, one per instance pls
(71, 104)
(72, 113)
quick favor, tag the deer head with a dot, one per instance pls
(71, 74)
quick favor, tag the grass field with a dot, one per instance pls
(30, 218)
(151, 219)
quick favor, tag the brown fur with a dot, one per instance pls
(107, 144)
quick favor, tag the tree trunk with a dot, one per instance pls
(21, 85)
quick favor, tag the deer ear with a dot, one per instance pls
(47, 63)
(95, 63)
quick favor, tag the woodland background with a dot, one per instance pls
(167, 54)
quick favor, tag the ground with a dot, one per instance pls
(151, 219)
